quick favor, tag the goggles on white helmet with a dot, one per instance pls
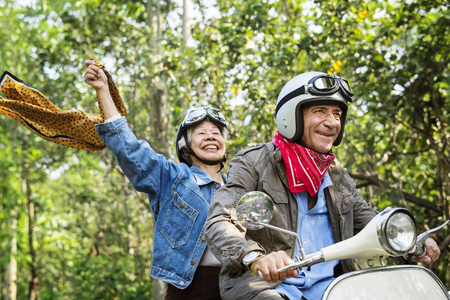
(310, 88)
(330, 84)
(321, 85)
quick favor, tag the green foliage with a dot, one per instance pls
(92, 231)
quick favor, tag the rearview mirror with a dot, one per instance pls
(254, 210)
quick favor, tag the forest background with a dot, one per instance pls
(72, 227)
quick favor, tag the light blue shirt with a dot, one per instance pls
(314, 229)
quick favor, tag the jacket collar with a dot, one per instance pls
(201, 177)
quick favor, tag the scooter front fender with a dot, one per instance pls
(387, 283)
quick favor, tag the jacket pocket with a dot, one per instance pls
(179, 221)
(277, 194)
(347, 199)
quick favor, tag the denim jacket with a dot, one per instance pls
(179, 198)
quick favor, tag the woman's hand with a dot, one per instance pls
(95, 76)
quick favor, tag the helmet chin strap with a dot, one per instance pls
(210, 162)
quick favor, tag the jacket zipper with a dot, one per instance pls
(292, 194)
(344, 266)
(337, 206)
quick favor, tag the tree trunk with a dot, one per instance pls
(158, 290)
(157, 107)
(187, 22)
(157, 91)
(11, 265)
(33, 289)
(156, 99)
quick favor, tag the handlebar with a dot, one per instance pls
(309, 260)
(420, 249)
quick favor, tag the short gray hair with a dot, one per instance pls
(182, 143)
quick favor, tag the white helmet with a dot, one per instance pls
(307, 89)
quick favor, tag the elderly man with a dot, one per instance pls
(312, 193)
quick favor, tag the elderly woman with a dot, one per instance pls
(179, 194)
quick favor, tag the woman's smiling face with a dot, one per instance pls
(207, 142)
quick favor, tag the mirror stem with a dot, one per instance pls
(294, 234)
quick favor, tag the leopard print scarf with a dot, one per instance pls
(72, 128)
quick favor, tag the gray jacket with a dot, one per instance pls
(261, 168)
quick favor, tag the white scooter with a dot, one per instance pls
(391, 233)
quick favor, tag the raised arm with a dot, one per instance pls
(148, 171)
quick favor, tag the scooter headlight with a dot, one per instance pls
(397, 231)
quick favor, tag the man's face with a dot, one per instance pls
(322, 124)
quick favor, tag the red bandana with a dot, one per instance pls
(305, 168)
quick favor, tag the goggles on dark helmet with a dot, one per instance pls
(321, 85)
(193, 117)
(200, 113)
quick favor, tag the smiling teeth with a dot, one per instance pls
(210, 147)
